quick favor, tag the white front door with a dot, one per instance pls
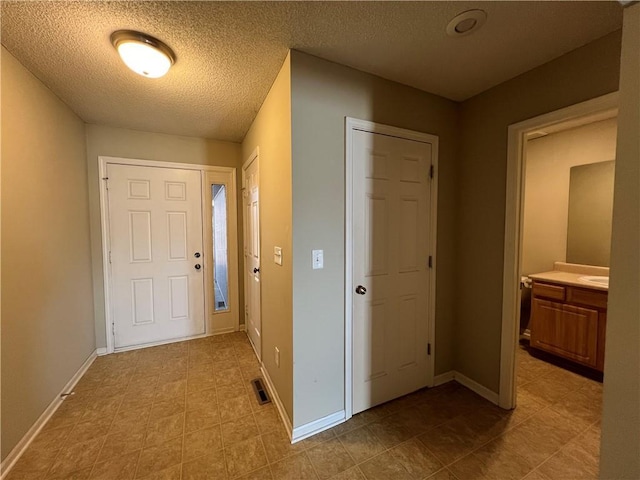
(391, 191)
(252, 254)
(155, 228)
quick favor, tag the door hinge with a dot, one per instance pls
(113, 329)
(106, 182)
(432, 171)
(428, 349)
(109, 256)
(430, 261)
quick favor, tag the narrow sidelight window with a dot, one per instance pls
(220, 256)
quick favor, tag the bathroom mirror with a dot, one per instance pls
(590, 209)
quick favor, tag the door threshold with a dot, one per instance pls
(162, 342)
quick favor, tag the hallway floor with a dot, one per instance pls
(187, 411)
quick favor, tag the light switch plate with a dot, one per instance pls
(277, 255)
(317, 259)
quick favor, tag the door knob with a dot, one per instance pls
(198, 267)
(197, 254)
(360, 290)
(256, 270)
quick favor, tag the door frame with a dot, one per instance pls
(227, 177)
(103, 162)
(255, 156)
(352, 125)
(514, 217)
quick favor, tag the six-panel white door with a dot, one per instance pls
(252, 255)
(390, 261)
(155, 226)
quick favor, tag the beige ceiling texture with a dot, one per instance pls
(228, 53)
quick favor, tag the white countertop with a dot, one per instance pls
(569, 274)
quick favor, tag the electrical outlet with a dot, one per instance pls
(317, 259)
(277, 357)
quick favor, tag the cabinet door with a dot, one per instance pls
(571, 332)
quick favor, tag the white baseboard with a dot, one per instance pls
(101, 351)
(24, 443)
(444, 378)
(276, 399)
(222, 331)
(317, 426)
(481, 390)
(472, 385)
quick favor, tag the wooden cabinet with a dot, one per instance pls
(569, 322)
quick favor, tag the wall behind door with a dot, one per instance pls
(120, 142)
(323, 93)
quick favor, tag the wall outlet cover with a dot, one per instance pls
(317, 259)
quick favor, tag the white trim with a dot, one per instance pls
(103, 161)
(222, 331)
(31, 434)
(513, 228)
(317, 426)
(226, 177)
(276, 399)
(474, 386)
(348, 271)
(444, 378)
(255, 156)
(106, 248)
(351, 125)
(158, 163)
(242, 328)
(101, 351)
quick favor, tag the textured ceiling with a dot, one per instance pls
(230, 52)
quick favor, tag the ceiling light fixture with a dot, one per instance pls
(145, 55)
(466, 23)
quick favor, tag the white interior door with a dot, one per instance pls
(252, 254)
(155, 227)
(390, 267)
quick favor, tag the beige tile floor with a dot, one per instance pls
(187, 411)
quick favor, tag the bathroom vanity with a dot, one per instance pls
(569, 313)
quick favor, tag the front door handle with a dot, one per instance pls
(198, 267)
(360, 290)
(256, 270)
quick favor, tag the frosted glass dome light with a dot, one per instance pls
(145, 55)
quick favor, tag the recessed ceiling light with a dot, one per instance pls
(466, 23)
(145, 55)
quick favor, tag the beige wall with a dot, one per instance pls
(546, 202)
(47, 308)
(323, 93)
(271, 133)
(582, 74)
(620, 451)
(120, 142)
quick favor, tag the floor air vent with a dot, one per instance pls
(260, 391)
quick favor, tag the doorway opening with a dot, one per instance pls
(157, 224)
(566, 318)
